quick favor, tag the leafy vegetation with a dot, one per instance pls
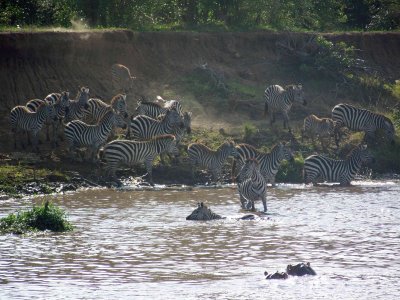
(43, 217)
(204, 15)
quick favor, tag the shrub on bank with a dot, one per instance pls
(43, 217)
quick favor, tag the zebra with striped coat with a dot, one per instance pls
(252, 185)
(97, 108)
(144, 127)
(78, 107)
(358, 119)
(279, 99)
(202, 156)
(321, 168)
(121, 78)
(127, 152)
(269, 162)
(22, 119)
(154, 109)
(313, 126)
(80, 134)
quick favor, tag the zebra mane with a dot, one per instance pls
(164, 136)
(150, 103)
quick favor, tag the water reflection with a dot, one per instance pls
(137, 243)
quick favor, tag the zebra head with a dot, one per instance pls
(250, 167)
(83, 97)
(363, 154)
(298, 94)
(49, 110)
(173, 118)
(229, 148)
(187, 121)
(171, 146)
(283, 151)
(64, 101)
(118, 103)
(389, 129)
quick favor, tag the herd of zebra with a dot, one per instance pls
(158, 127)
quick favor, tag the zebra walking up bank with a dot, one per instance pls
(144, 127)
(127, 152)
(78, 133)
(321, 168)
(78, 106)
(358, 119)
(201, 155)
(279, 99)
(21, 118)
(313, 126)
(121, 78)
(252, 185)
(269, 162)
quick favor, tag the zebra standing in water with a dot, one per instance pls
(21, 118)
(322, 127)
(358, 119)
(154, 109)
(120, 152)
(78, 106)
(121, 78)
(78, 133)
(343, 171)
(252, 185)
(269, 162)
(144, 127)
(204, 157)
(278, 99)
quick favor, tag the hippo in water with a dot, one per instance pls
(300, 269)
(203, 213)
(292, 270)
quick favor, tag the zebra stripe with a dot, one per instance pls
(269, 162)
(78, 106)
(144, 127)
(127, 152)
(318, 167)
(154, 109)
(121, 78)
(321, 127)
(278, 99)
(78, 133)
(52, 98)
(252, 186)
(21, 118)
(97, 108)
(358, 119)
(202, 156)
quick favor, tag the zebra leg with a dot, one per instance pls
(243, 202)
(47, 133)
(35, 138)
(264, 202)
(149, 168)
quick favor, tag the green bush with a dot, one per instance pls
(291, 171)
(39, 218)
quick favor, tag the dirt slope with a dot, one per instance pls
(35, 64)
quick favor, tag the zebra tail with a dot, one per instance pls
(100, 154)
(265, 109)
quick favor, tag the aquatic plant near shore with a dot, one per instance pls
(39, 218)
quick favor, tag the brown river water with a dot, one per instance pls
(136, 244)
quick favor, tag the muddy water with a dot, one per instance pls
(138, 245)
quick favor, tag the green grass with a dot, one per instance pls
(43, 217)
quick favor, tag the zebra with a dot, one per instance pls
(121, 78)
(78, 106)
(144, 127)
(21, 118)
(279, 99)
(358, 119)
(203, 213)
(130, 152)
(154, 109)
(97, 108)
(201, 155)
(78, 133)
(269, 162)
(323, 127)
(343, 171)
(252, 185)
